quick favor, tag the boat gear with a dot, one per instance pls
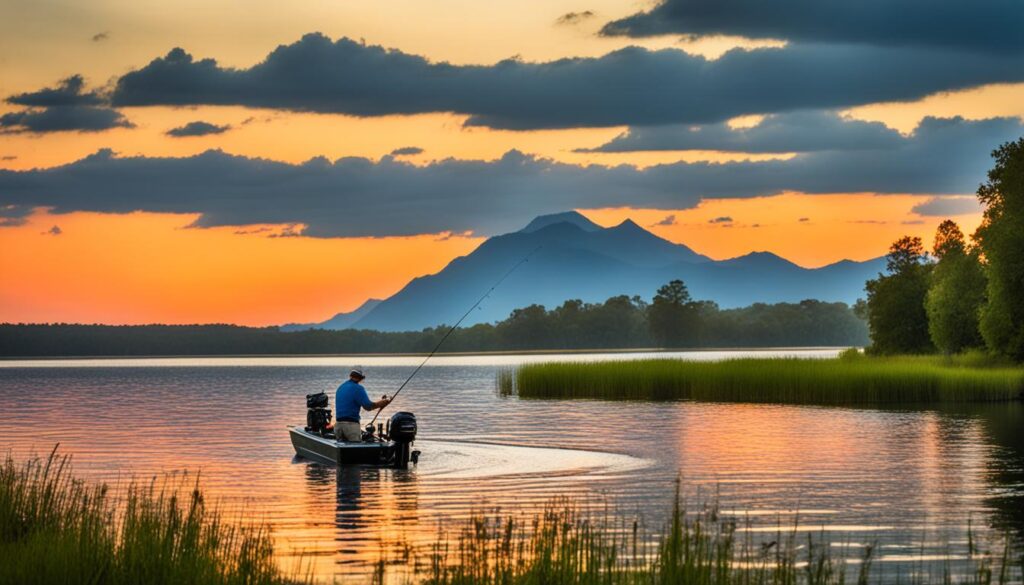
(318, 416)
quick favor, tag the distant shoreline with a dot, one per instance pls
(424, 354)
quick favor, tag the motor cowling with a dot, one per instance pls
(402, 427)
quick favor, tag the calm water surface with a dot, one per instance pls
(908, 480)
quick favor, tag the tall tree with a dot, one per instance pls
(896, 314)
(1001, 238)
(956, 293)
(673, 316)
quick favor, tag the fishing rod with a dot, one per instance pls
(452, 330)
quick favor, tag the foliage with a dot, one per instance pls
(1001, 238)
(620, 322)
(850, 379)
(896, 301)
(956, 293)
(58, 529)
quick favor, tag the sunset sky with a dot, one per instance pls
(266, 162)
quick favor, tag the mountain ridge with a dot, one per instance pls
(574, 258)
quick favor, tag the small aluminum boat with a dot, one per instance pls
(377, 451)
(389, 446)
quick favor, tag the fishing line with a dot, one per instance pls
(453, 328)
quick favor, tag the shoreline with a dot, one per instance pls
(424, 354)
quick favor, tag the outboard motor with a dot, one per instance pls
(402, 430)
(318, 416)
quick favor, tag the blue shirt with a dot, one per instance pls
(349, 397)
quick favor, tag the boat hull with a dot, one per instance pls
(324, 450)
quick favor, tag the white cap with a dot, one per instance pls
(357, 371)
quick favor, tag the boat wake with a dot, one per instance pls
(471, 459)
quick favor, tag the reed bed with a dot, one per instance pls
(561, 545)
(55, 528)
(851, 379)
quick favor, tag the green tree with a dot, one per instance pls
(1001, 238)
(956, 293)
(896, 315)
(673, 317)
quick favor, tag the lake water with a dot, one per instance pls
(907, 480)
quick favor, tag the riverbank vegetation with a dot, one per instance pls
(55, 528)
(618, 323)
(851, 379)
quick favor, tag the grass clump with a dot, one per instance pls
(850, 379)
(55, 528)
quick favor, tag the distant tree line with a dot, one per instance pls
(963, 295)
(673, 320)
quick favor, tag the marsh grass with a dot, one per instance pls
(55, 528)
(562, 544)
(850, 379)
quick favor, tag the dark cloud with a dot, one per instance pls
(792, 132)
(977, 25)
(407, 151)
(943, 156)
(53, 231)
(723, 219)
(804, 219)
(98, 37)
(13, 215)
(197, 128)
(68, 92)
(631, 86)
(63, 119)
(668, 220)
(572, 18)
(66, 107)
(9, 157)
(946, 206)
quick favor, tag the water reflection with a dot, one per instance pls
(1004, 430)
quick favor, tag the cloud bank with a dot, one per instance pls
(942, 157)
(793, 132)
(631, 86)
(974, 25)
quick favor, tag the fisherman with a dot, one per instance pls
(351, 396)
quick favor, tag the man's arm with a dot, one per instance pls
(367, 404)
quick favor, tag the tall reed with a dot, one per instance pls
(847, 380)
(562, 545)
(55, 528)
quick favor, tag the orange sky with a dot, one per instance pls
(151, 268)
(147, 267)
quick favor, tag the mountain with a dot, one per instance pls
(574, 217)
(339, 321)
(570, 257)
